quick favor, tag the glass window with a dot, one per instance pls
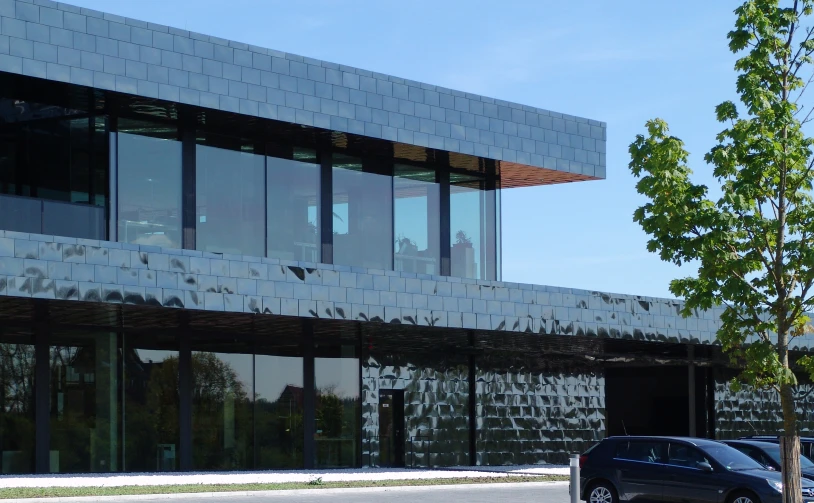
(279, 408)
(84, 404)
(417, 220)
(149, 180)
(293, 207)
(730, 458)
(45, 153)
(338, 407)
(21, 214)
(362, 215)
(150, 403)
(685, 455)
(473, 228)
(76, 220)
(16, 403)
(231, 206)
(222, 418)
(642, 451)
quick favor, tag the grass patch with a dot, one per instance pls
(63, 492)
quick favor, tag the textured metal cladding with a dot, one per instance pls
(753, 411)
(436, 412)
(529, 417)
(54, 267)
(61, 42)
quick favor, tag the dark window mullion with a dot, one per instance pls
(444, 226)
(326, 210)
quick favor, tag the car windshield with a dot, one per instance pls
(731, 458)
(773, 450)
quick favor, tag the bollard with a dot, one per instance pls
(575, 489)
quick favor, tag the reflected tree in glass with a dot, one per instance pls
(151, 410)
(279, 408)
(338, 406)
(221, 414)
(17, 408)
(84, 403)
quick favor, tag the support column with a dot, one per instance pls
(185, 386)
(42, 390)
(693, 431)
(473, 410)
(309, 395)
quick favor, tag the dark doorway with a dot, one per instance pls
(648, 401)
(391, 428)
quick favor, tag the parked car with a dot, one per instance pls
(675, 469)
(768, 455)
(806, 443)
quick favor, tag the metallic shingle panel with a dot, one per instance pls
(751, 411)
(530, 417)
(156, 61)
(112, 272)
(436, 412)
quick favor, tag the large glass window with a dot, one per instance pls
(16, 403)
(338, 428)
(222, 415)
(150, 403)
(84, 402)
(149, 181)
(293, 206)
(473, 228)
(230, 199)
(52, 152)
(417, 218)
(362, 214)
(279, 410)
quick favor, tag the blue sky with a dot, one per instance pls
(621, 62)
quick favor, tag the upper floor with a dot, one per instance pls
(120, 130)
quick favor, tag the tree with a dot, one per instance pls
(754, 244)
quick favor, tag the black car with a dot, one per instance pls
(674, 469)
(768, 454)
(806, 443)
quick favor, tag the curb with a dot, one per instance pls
(277, 493)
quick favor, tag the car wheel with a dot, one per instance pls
(603, 492)
(743, 497)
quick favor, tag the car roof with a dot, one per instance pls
(755, 443)
(690, 440)
(772, 437)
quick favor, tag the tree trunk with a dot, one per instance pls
(790, 449)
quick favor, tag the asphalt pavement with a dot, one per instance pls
(542, 492)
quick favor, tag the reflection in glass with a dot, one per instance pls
(230, 201)
(16, 404)
(151, 404)
(279, 409)
(149, 180)
(84, 405)
(417, 220)
(46, 153)
(223, 390)
(362, 215)
(293, 207)
(338, 409)
(472, 229)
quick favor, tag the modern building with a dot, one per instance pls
(216, 256)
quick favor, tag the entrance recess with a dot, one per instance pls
(391, 427)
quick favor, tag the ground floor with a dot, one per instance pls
(92, 387)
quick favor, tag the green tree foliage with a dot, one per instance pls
(754, 244)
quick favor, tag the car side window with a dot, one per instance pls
(685, 455)
(641, 450)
